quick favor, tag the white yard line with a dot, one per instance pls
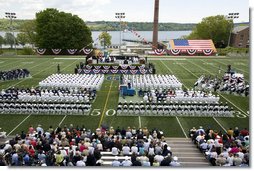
(181, 127)
(62, 120)
(166, 66)
(19, 124)
(219, 124)
(233, 104)
(139, 121)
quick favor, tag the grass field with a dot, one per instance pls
(103, 109)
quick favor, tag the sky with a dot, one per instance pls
(179, 11)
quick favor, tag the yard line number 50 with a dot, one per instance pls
(109, 112)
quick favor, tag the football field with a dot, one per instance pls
(186, 69)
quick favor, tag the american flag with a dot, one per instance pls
(198, 45)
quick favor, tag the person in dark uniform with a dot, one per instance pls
(58, 68)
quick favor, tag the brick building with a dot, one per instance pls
(240, 37)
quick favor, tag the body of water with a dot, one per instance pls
(147, 35)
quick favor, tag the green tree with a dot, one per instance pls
(9, 39)
(1, 41)
(216, 28)
(22, 39)
(61, 30)
(28, 28)
(105, 39)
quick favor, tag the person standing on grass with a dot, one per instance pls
(58, 68)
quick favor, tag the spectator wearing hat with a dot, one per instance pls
(39, 129)
(166, 150)
(221, 160)
(116, 162)
(237, 161)
(126, 162)
(115, 151)
(236, 132)
(175, 162)
(166, 161)
(126, 150)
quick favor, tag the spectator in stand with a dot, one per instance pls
(175, 162)
(244, 132)
(116, 162)
(230, 132)
(126, 149)
(236, 132)
(115, 151)
(166, 161)
(126, 162)
(221, 160)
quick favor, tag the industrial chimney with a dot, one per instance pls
(155, 24)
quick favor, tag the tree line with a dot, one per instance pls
(53, 29)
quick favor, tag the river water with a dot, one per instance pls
(147, 35)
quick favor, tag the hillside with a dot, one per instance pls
(114, 26)
(110, 25)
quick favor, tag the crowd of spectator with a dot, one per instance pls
(223, 149)
(77, 146)
(14, 74)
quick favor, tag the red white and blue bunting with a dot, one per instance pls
(89, 67)
(159, 51)
(114, 71)
(87, 71)
(97, 67)
(142, 67)
(105, 71)
(106, 67)
(124, 66)
(87, 51)
(41, 51)
(132, 67)
(115, 67)
(124, 71)
(133, 71)
(56, 51)
(96, 71)
(191, 51)
(143, 71)
(175, 51)
(208, 52)
(72, 51)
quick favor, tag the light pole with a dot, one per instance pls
(120, 16)
(231, 16)
(11, 16)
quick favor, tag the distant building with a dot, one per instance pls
(240, 37)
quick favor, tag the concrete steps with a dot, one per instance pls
(187, 153)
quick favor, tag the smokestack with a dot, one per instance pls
(155, 24)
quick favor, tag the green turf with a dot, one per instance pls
(187, 70)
